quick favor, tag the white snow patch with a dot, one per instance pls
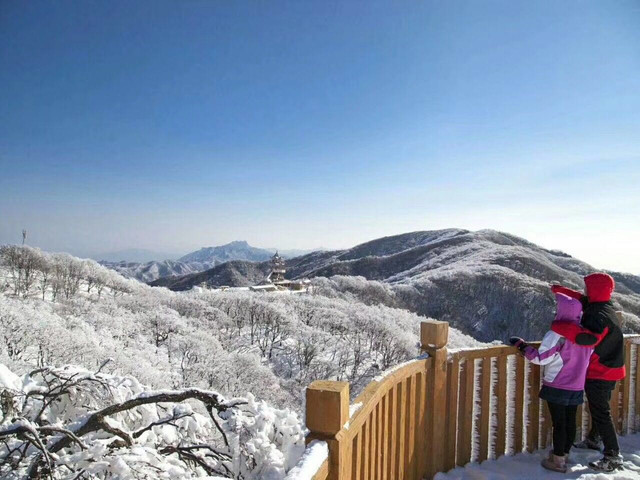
(314, 455)
(8, 379)
(354, 408)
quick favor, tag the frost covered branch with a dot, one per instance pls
(102, 425)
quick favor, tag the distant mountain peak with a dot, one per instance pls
(236, 250)
(239, 243)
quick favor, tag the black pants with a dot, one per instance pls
(564, 427)
(599, 395)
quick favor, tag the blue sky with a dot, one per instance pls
(170, 125)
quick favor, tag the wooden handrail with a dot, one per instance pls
(375, 390)
(497, 351)
(421, 417)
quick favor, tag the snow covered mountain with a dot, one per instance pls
(238, 250)
(198, 261)
(236, 273)
(487, 283)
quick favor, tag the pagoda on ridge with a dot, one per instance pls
(277, 269)
(275, 281)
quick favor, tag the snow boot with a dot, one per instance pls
(567, 457)
(588, 444)
(555, 463)
(608, 463)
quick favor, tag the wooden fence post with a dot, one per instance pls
(434, 336)
(327, 411)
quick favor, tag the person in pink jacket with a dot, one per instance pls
(565, 369)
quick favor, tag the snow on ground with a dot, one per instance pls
(526, 466)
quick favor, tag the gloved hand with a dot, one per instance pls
(519, 343)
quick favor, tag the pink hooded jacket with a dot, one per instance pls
(565, 363)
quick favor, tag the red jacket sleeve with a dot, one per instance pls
(567, 291)
(577, 334)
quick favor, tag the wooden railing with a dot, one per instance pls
(445, 410)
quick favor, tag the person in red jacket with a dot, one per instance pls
(606, 365)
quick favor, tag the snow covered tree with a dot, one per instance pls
(70, 423)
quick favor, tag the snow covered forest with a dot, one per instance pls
(108, 377)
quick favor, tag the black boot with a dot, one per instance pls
(609, 463)
(588, 444)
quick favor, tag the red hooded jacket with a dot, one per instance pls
(599, 317)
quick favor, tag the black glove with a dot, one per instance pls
(519, 343)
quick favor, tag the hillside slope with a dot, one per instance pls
(150, 271)
(235, 273)
(483, 282)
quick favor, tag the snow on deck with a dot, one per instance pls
(526, 466)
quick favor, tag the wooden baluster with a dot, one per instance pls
(430, 469)
(624, 424)
(417, 422)
(366, 442)
(373, 472)
(356, 459)
(545, 427)
(518, 430)
(326, 413)
(402, 410)
(636, 420)
(465, 412)
(380, 439)
(501, 413)
(392, 433)
(384, 441)
(579, 424)
(453, 372)
(587, 414)
(409, 431)
(533, 428)
(485, 410)
(421, 433)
